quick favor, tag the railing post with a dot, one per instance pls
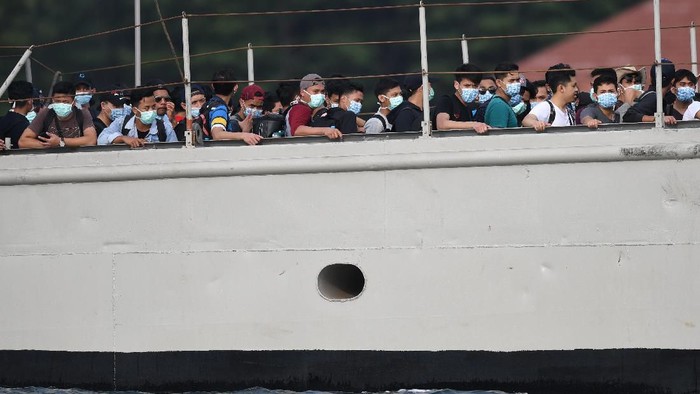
(137, 43)
(15, 70)
(659, 115)
(424, 70)
(189, 139)
(251, 66)
(28, 70)
(465, 50)
(694, 52)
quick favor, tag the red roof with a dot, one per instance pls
(588, 51)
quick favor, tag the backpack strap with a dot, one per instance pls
(552, 114)
(126, 120)
(79, 119)
(381, 119)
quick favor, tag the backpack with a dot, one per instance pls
(267, 125)
(481, 111)
(325, 117)
(162, 136)
(202, 121)
(381, 119)
(52, 117)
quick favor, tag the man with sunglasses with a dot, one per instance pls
(165, 107)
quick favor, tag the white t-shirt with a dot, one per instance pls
(561, 118)
(692, 110)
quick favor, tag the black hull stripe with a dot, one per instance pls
(577, 371)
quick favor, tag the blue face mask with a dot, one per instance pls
(485, 97)
(469, 94)
(254, 112)
(82, 99)
(195, 112)
(431, 94)
(685, 94)
(147, 117)
(127, 109)
(512, 89)
(31, 115)
(62, 109)
(116, 113)
(395, 101)
(520, 108)
(607, 100)
(355, 107)
(316, 100)
(515, 100)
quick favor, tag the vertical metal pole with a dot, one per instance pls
(28, 70)
(694, 52)
(137, 43)
(465, 50)
(424, 70)
(659, 115)
(15, 70)
(189, 140)
(251, 67)
(56, 77)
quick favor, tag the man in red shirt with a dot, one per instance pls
(312, 97)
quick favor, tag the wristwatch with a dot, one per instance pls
(62, 143)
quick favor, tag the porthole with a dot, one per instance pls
(341, 282)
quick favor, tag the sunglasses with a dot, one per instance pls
(491, 90)
(161, 98)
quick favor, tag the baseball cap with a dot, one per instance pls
(252, 91)
(311, 80)
(83, 79)
(413, 82)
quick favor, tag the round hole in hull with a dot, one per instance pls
(341, 282)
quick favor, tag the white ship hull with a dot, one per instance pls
(512, 259)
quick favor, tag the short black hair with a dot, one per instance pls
(503, 69)
(540, 83)
(604, 80)
(351, 87)
(599, 72)
(139, 93)
(287, 92)
(468, 71)
(559, 74)
(223, 82)
(336, 86)
(684, 73)
(63, 87)
(528, 87)
(384, 85)
(158, 84)
(269, 101)
(20, 92)
(489, 77)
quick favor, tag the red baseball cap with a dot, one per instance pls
(252, 91)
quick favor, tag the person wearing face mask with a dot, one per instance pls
(61, 124)
(388, 92)
(408, 116)
(498, 112)
(685, 107)
(250, 103)
(644, 106)
(458, 110)
(141, 126)
(84, 91)
(218, 124)
(630, 87)
(344, 116)
(13, 124)
(312, 98)
(561, 78)
(198, 100)
(603, 108)
(487, 88)
(111, 108)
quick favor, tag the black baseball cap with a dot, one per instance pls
(668, 71)
(412, 82)
(83, 79)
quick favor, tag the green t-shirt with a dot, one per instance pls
(499, 114)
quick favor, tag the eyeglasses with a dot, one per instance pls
(491, 90)
(161, 98)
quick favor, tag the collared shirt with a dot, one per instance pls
(114, 130)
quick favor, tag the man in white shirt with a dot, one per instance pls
(555, 112)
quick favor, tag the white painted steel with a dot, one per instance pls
(462, 255)
(28, 70)
(137, 43)
(189, 142)
(15, 70)
(693, 51)
(251, 65)
(424, 70)
(659, 115)
(465, 50)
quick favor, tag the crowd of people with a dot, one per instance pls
(74, 115)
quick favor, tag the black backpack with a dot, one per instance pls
(267, 125)
(481, 111)
(52, 117)
(162, 136)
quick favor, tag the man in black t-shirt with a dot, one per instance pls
(13, 124)
(408, 116)
(457, 110)
(344, 116)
